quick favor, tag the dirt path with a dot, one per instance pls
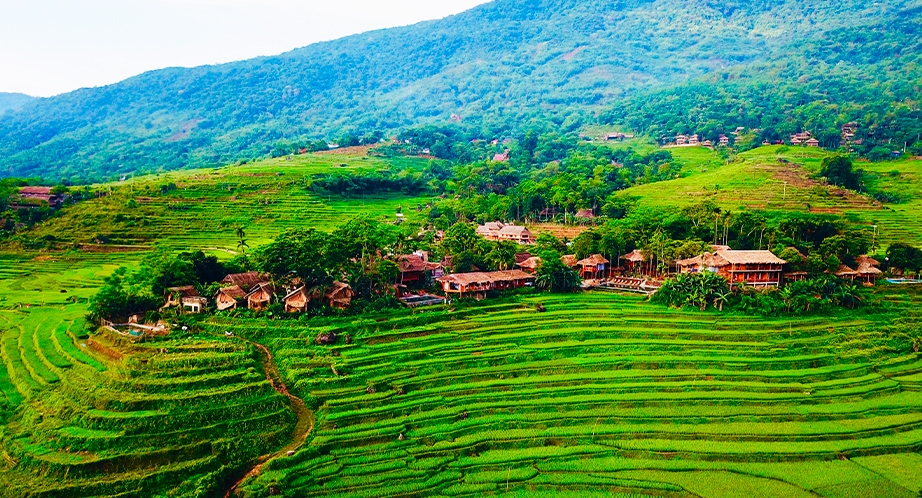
(303, 428)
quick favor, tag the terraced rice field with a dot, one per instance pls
(600, 396)
(95, 415)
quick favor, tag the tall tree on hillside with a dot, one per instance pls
(242, 245)
(838, 170)
(297, 253)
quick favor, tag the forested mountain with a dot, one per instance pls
(503, 66)
(13, 101)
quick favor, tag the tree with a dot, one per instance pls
(115, 300)
(904, 257)
(838, 170)
(242, 245)
(554, 276)
(297, 253)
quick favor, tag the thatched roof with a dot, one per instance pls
(867, 260)
(245, 280)
(594, 260)
(490, 228)
(868, 265)
(750, 257)
(530, 263)
(514, 230)
(339, 292)
(234, 292)
(635, 256)
(569, 260)
(262, 286)
(585, 214)
(522, 256)
(184, 291)
(411, 263)
(486, 277)
(845, 271)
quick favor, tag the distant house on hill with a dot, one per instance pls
(261, 296)
(681, 140)
(585, 214)
(801, 138)
(479, 283)
(229, 297)
(42, 194)
(490, 230)
(245, 280)
(724, 141)
(501, 158)
(754, 268)
(812, 142)
(693, 140)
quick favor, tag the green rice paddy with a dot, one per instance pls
(602, 395)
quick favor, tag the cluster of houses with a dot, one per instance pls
(30, 197)
(695, 141)
(255, 291)
(804, 138)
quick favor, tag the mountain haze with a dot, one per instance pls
(503, 66)
(13, 101)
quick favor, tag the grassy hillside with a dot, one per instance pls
(504, 66)
(780, 179)
(203, 208)
(600, 396)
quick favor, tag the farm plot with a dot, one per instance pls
(602, 395)
(93, 415)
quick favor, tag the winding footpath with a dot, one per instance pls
(303, 428)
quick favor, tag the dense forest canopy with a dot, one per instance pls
(504, 67)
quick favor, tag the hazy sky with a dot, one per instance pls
(49, 47)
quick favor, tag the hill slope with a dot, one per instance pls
(13, 101)
(506, 63)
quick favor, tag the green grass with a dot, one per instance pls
(600, 395)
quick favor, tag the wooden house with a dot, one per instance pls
(194, 304)
(230, 297)
(479, 283)
(634, 261)
(693, 140)
(260, 296)
(298, 300)
(246, 280)
(681, 140)
(754, 268)
(42, 194)
(339, 296)
(868, 269)
(593, 267)
(724, 141)
(490, 230)
(501, 158)
(174, 295)
(412, 269)
(517, 234)
(812, 142)
(530, 265)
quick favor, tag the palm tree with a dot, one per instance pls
(242, 245)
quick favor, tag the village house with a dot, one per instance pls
(593, 267)
(194, 304)
(339, 296)
(530, 265)
(42, 194)
(229, 297)
(173, 296)
(517, 234)
(801, 138)
(754, 268)
(297, 300)
(477, 284)
(812, 142)
(490, 230)
(844, 271)
(260, 296)
(245, 280)
(868, 269)
(724, 141)
(412, 269)
(634, 261)
(693, 140)
(681, 140)
(501, 158)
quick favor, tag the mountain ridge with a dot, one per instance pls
(501, 66)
